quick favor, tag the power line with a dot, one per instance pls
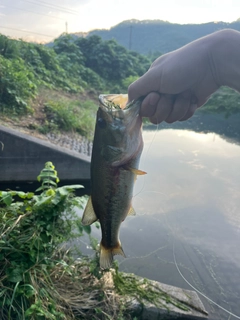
(26, 31)
(60, 7)
(52, 7)
(130, 38)
(42, 14)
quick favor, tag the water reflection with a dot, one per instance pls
(188, 206)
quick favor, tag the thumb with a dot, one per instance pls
(147, 83)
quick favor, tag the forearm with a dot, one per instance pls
(224, 55)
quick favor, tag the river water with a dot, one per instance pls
(187, 229)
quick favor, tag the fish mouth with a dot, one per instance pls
(115, 102)
(124, 120)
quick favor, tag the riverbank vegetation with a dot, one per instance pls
(39, 277)
(56, 87)
(47, 88)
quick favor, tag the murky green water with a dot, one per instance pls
(188, 214)
(188, 208)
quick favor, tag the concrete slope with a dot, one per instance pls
(22, 157)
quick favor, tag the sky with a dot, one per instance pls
(44, 20)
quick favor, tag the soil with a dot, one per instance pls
(30, 123)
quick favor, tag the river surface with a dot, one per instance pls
(187, 229)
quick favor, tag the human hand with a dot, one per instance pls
(177, 83)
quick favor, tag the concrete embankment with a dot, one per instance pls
(23, 156)
(180, 303)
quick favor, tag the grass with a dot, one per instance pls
(70, 116)
(57, 111)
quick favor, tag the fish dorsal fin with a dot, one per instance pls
(131, 212)
(137, 171)
(89, 215)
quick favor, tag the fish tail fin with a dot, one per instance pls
(106, 255)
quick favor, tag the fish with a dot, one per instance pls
(117, 147)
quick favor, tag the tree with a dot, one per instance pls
(65, 45)
(8, 48)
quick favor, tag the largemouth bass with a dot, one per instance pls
(117, 147)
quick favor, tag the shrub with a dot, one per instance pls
(32, 228)
(16, 86)
(71, 116)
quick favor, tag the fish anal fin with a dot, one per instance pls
(131, 212)
(137, 172)
(106, 255)
(89, 215)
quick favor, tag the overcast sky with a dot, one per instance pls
(44, 20)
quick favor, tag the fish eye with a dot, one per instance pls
(101, 123)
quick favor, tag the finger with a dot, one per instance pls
(149, 82)
(164, 108)
(149, 104)
(180, 107)
(190, 112)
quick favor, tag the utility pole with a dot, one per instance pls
(130, 38)
(66, 24)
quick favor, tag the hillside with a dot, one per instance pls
(150, 36)
(55, 89)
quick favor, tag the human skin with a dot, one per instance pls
(181, 81)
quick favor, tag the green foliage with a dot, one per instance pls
(66, 45)
(32, 228)
(225, 100)
(48, 176)
(8, 49)
(154, 55)
(71, 64)
(110, 60)
(127, 81)
(16, 86)
(48, 67)
(39, 280)
(67, 116)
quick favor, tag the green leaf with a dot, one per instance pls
(30, 195)
(22, 194)
(72, 187)
(97, 225)
(29, 290)
(15, 275)
(7, 198)
(42, 200)
(87, 229)
(63, 191)
(58, 197)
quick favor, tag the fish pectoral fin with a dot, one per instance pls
(137, 171)
(106, 255)
(131, 212)
(89, 215)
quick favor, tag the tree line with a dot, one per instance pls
(71, 64)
